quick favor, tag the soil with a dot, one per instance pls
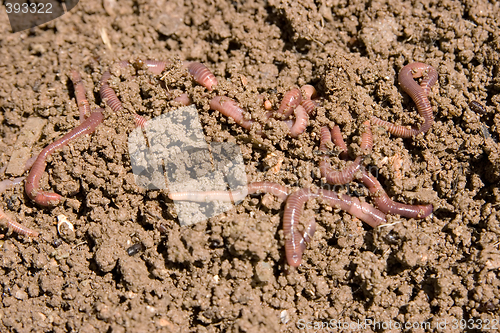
(229, 273)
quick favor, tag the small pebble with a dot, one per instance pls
(477, 107)
(284, 316)
(263, 272)
(21, 295)
(136, 248)
(57, 242)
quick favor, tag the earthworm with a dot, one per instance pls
(7, 183)
(230, 108)
(362, 210)
(268, 187)
(301, 120)
(33, 181)
(108, 94)
(309, 106)
(386, 205)
(16, 227)
(307, 234)
(124, 63)
(366, 139)
(338, 140)
(29, 163)
(154, 66)
(477, 107)
(81, 99)
(231, 196)
(140, 121)
(340, 177)
(347, 175)
(202, 75)
(418, 94)
(290, 101)
(183, 99)
(308, 91)
(295, 206)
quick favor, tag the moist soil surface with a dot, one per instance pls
(229, 273)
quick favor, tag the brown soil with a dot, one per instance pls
(229, 273)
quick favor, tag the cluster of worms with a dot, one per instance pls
(296, 107)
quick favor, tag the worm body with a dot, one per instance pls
(230, 196)
(7, 183)
(340, 177)
(230, 108)
(307, 234)
(140, 121)
(183, 99)
(347, 175)
(362, 210)
(366, 139)
(81, 99)
(11, 224)
(16, 227)
(108, 94)
(309, 106)
(294, 208)
(308, 91)
(338, 141)
(33, 180)
(290, 101)
(293, 238)
(301, 120)
(155, 66)
(202, 75)
(477, 107)
(268, 187)
(386, 205)
(418, 94)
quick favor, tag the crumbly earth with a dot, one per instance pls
(229, 273)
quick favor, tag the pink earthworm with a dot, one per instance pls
(338, 140)
(295, 206)
(124, 63)
(231, 196)
(308, 91)
(231, 109)
(290, 101)
(340, 177)
(386, 205)
(16, 227)
(183, 99)
(295, 240)
(418, 94)
(202, 75)
(33, 180)
(307, 234)
(81, 99)
(325, 137)
(154, 66)
(140, 121)
(366, 139)
(309, 106)
(300, 123)
(7, 183)
(108, 94)
(347, 175)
